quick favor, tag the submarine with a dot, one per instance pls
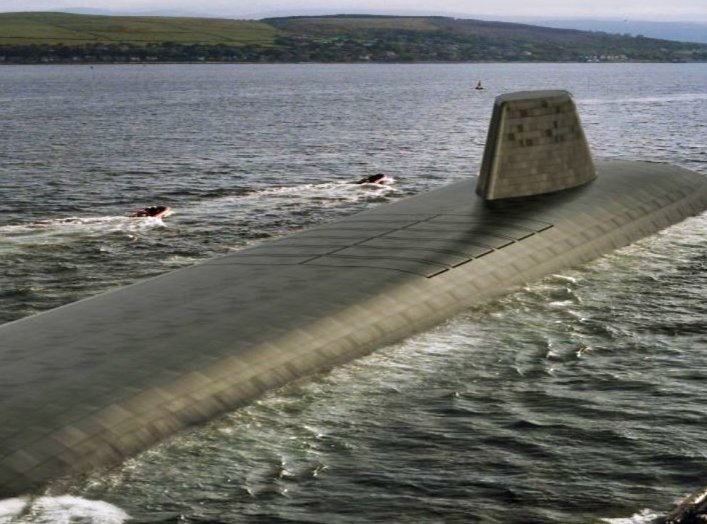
(91, 383)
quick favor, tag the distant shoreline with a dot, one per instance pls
(419, 62)
(36, 38)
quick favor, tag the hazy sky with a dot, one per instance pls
(660, 10)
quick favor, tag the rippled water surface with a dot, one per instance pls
(576, 399)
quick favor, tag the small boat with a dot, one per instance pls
(479, 87)
(153, 212)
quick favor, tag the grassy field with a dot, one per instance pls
(62, 28)
(327, 25)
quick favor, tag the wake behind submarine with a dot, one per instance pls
(94, 382)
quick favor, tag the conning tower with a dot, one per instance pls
(535, 145)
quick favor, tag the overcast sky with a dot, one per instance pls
(659, 10)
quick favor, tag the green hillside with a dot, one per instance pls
(351, 24)
(69, 38)
(69, 29)
(453, 39)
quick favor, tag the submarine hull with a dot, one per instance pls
(92, 383)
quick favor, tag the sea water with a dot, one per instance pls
(579, 398)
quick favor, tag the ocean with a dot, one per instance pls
(578, 398)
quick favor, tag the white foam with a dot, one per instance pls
(336, 191)
(562, 304)
(271, 200)
(59, 230)
(565, 278)
(179, 260)
(10, 509)
(645, 516)
(59, 510)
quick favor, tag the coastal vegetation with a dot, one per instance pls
(70, 38)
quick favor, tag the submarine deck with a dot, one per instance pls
(96, 381)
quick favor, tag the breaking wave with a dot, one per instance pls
(59, 510)
(68, 229)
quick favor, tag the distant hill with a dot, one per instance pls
(63, 37)
(675, 31)
(73, 29)
(181, 13)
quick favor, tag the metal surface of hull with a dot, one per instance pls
(97, 381)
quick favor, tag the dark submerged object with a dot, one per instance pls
(153, 211)
(378, 178)
(692, 510)
(92, 383)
